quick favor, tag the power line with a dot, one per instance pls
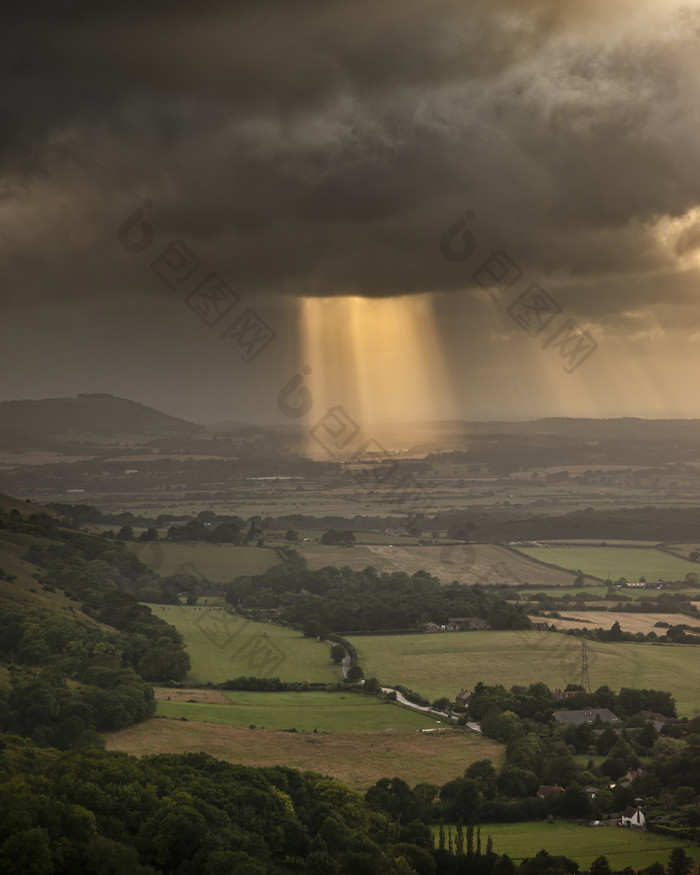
(585, 680)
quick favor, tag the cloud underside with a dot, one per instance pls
(324, 148)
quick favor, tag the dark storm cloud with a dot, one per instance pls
(324, 147)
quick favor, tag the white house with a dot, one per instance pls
(632, 817)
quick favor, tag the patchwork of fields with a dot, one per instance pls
(440, 664)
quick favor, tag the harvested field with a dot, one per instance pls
(628, 621)
(202, 697)
(467, 563)
(359, 759)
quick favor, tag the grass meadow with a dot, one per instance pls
(615, 562)
(621, 847)
(326, 712)
(224, 646)
(220, 563)
(441, 664)
(359, 759)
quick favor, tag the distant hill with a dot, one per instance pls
(52, 422)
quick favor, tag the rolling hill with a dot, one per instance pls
(50, 423)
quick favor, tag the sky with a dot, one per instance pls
(262, 209)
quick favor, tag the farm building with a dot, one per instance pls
(580, 717)
(632, 817)
(463, 697)
(659, 721)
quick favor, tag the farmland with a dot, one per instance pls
(219, 563)
(629, 621)
(357, 758)
(305, 712)
(467, 563)
(440, 664)
(612, 563)
(621, 847)
(224, 646)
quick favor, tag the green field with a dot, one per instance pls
(615, 562)
(220, 563)
(621, 847)
(443, 663)
(327, 712)
(224, 646)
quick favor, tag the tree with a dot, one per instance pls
(291, 535)
(126, 533)
(615, 633)
(600, 866)
(226, 533)
(312, 628)
(334, 537)
(337, 653)
(27, 853)
(149, 535)
(679, 863)
(461, 800)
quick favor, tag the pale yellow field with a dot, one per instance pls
(358, 759)
(629, 622)
(467, 563)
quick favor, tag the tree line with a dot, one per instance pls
(343, 600)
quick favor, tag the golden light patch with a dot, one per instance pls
(379, 358)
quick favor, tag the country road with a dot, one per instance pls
(402, 700)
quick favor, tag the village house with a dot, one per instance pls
(464, 697)
(632, 817)
(629, 777)
(540, 625)
(660, 722)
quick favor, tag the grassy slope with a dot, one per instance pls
(223, 646)
(26, 592)
(440, 664)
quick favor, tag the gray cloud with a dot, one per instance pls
(324, 147)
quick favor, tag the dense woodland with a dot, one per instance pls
(343, 600)
(90, 811)
(72, 678)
